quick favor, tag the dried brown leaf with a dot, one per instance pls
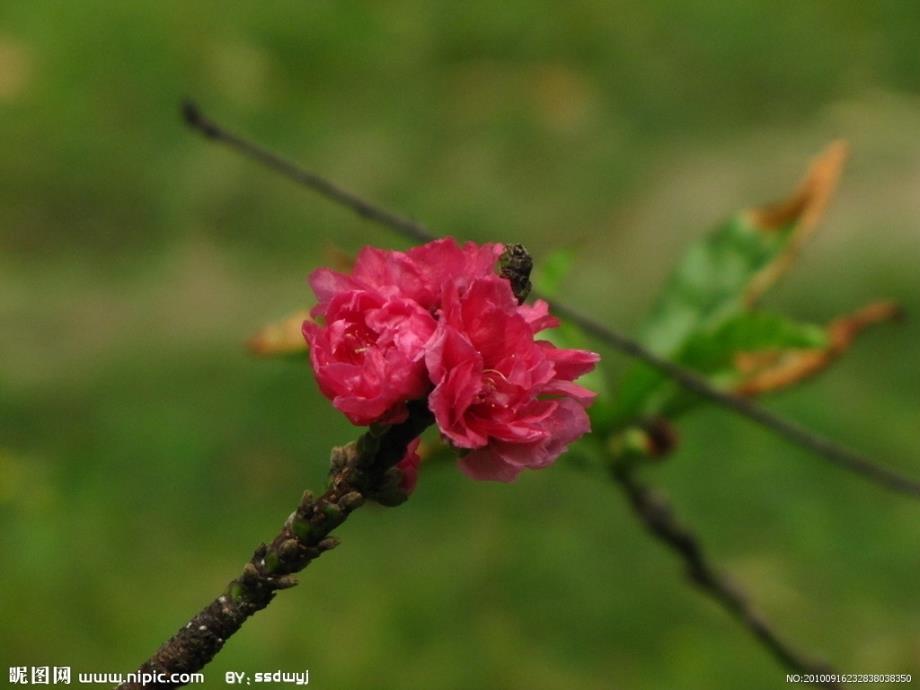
(802, 211)
(280, 339)
(769, 371)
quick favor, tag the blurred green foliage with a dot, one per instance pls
(142, 453)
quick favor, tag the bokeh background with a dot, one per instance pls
(143, 452)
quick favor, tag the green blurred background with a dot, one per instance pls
(143, 453)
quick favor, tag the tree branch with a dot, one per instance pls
(656, 513)
(792, 432)
(360, 470)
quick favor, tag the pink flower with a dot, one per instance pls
(418, 274)
(369, 356)
(436, 322)
(444, 262)
(509, 399)
(409, 466)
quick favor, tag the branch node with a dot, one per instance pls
(194, 118)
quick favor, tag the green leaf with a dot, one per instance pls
(710, 284)
(710, 294)
(712, 352)
(767, 371)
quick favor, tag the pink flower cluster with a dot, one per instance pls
(437, 322)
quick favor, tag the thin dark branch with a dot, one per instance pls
(360, 470)
(657, 515)
(788, 429)
(794, 433)
(404, 226)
